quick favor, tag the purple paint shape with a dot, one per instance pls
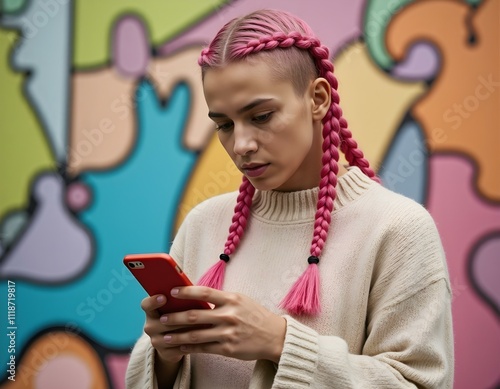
(422, 62)
(486, 269)
(78, 196)
(54, 247)
(131, 47)
(335, 22)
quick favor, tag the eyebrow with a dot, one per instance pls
(247, 107)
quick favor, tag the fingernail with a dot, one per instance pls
(167, 338)
(174, 291)
(163, 319)
(160, 299)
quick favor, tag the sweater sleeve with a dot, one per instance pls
(409, 346)
(140, 370)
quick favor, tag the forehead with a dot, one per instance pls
(240, 81)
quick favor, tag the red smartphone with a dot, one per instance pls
(158, 273)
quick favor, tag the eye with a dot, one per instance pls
(263, 118)
(224, 127)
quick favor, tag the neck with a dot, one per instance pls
(342, 170)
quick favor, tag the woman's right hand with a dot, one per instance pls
(157, 330)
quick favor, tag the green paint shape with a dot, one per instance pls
(24, 150)
(377, 16)
(164, 19)
(11, 226)
(11, 6)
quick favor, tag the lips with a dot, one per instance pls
(254, 169)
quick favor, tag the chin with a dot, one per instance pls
(264, 184)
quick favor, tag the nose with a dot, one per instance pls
(245, 141)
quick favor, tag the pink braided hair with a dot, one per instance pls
(215, 276)
(266, 30)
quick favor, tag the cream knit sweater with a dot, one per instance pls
(385, 292)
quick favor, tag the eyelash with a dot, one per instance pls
(264, 118)
(222, 127)
(259, 119)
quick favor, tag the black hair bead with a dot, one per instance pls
(312, 259)
(224, 257)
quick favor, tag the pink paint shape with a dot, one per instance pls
(131, 47)
(117, 366)
(335, 22)
(462, 219)
(63, 372)
(78, 196)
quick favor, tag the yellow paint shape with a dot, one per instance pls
(103, 129)
(95, 20)
(183, 67)
(24, 150)
(214, 174)
(461, 112)
(46, 350)
(373, 103)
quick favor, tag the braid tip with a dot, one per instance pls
(214, 277)
(303, 297)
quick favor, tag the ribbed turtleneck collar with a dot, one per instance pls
(301, 205)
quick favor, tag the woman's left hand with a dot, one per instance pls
(241, 328)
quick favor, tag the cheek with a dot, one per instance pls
(295, 133)
(226, 143)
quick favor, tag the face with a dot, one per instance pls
(272, 134)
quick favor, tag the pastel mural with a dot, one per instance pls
(105, 145)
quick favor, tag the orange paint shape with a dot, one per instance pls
(59, 357)
(103, 129)
(461, 111)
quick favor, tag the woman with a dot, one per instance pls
(380, 314)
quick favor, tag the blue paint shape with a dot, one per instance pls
(45, 50)
(133, 210)
(405, 166)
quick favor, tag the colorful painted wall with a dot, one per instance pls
(105, 145)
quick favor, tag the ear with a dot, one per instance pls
(321, 97)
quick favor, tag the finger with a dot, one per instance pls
(203, 293)
(153, 327)
(193, 337)
(152, 303)
(167, 350)
(191, 317)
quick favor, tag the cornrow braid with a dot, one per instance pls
(303, 297)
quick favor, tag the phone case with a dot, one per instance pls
(158, 273)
